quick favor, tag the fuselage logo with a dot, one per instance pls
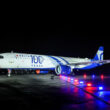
(37, 59)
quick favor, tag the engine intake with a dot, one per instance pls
(63, 69)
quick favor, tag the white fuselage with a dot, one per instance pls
(32, 61)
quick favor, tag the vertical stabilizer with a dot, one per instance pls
(99, 54)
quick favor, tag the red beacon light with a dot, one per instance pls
(85, 76)
(60, 75)
(68, 79)
(89, 84)
(102, 76)
(76, 80)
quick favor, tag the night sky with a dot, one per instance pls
(60, 40)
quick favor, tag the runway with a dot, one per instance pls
(61, 93)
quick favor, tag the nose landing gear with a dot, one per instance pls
(9, 72)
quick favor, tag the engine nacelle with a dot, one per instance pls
(63, 69)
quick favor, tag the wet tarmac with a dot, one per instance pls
(59, 93)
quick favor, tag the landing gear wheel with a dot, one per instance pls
(9, 72)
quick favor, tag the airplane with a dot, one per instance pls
(46, 63)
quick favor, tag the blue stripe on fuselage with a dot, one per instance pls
(64, 60)
(59, 62)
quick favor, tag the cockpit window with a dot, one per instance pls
(1, 57)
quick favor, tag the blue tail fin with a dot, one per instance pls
(99, 54)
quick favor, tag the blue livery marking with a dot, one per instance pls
(96, 57)
(99, 54)
(37, 59)
(64, 60)
(59, 62)
(101, 48)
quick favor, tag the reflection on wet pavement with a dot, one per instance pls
(60, 93)
(97, 86)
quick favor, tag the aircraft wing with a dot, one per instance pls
(91, 62)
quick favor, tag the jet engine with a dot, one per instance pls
(63, 69)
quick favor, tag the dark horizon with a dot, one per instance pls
(59, 41)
